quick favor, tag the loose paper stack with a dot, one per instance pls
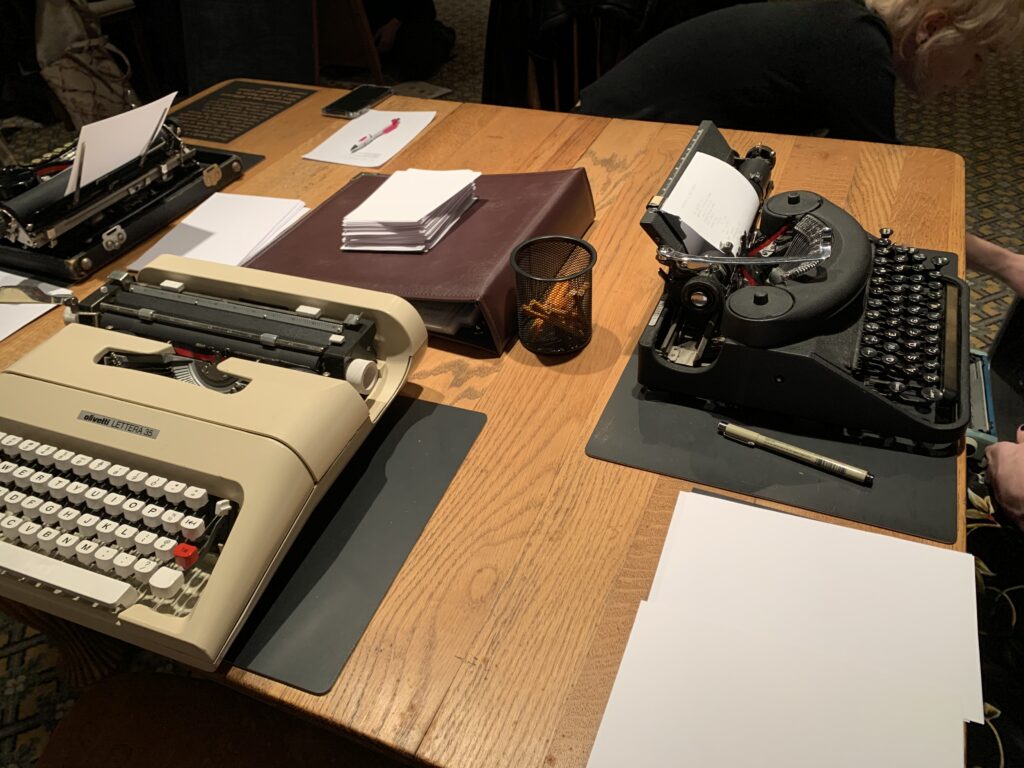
(228, 229)
(410, 211)
(772, 640)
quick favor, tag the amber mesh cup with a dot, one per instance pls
(554, 285)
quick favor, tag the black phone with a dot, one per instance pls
(357, 101)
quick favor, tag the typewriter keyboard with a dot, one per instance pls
(101, 532)
(908, 341)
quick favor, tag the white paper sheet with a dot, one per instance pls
(770, 639)
(108, 144)
(692, 693)
(338, 148)
(885, 600)
(714, 203)
(13, 317)
(227, 229)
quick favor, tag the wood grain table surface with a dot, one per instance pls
(498, 643)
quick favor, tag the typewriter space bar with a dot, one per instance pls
(69, 578)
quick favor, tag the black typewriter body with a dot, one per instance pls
(870, 340)
(45, 233)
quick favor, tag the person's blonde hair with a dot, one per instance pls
(990, 24)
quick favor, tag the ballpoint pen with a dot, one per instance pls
(371, 137)
(833, 467)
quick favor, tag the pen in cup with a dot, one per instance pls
(371, 137)
(825, 464)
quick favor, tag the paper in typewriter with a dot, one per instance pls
(410, 211)
(715, 204)
(106, 145)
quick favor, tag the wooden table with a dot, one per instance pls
(498, 642)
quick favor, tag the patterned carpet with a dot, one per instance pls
(984, 126)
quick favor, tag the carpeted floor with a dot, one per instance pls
(984, 126)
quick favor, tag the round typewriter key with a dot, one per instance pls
(872, 314)
(881, 261)
(878, 281)
(869, 353)
(931, 351)
(899, 269)
(896, 321)
(940, 261)
(911, 344)
(931, 378)
(931, 365)
(869, 340)
(890, 334)
(917, 256)
(872, 327)
(889, 359)
(914, 332)
(932, 338)
(913, 322)
(931, 393)
(876, 303)
(933, 327)
(915, 309)
(934, 316)
(900, 258)
(933, 306)
(911, 371)
(912, 357)
(896, 387)
(934, 285)
(891, 346)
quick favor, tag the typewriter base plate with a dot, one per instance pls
(913, 493)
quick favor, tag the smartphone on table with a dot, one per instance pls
(357, 101)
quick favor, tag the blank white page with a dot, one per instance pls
(107, 144)
(888, 602)
(692, 693)
(225, 228)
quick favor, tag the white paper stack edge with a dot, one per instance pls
(411, 211)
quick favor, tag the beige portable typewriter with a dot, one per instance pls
(160, 453)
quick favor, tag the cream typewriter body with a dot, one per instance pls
(154, 503)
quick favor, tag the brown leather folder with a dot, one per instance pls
(464, 286)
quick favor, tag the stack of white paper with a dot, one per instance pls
(228, 229)
(772, 640)
(13, 317)
(410, 211)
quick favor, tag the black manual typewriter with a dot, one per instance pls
(808, 316)
(45, 232)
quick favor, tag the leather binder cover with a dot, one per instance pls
(469, 265)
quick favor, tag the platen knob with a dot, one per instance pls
(362, 374)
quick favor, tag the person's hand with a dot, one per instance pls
(996, 260)
(1006, 476)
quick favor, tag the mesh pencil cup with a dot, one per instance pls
(554, 285)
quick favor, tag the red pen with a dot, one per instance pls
(370, 137)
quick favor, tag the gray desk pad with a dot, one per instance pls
(342, 563)
(912, 494)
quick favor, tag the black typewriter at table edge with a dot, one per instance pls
(811, 319)
(47, 233)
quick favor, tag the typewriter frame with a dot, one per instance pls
(800, 367)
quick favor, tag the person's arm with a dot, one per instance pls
(985, 256)
(1006, 476)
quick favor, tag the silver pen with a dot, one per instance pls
(825, 464)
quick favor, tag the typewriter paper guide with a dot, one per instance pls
(714, 203)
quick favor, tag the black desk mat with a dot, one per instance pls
(341, 565)
(912, 494)
(235, 108)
